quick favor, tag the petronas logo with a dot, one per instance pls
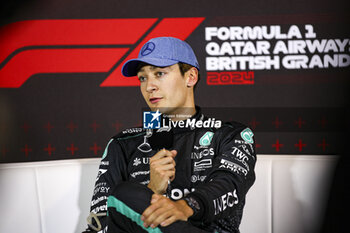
(206, 139)
(247, 135)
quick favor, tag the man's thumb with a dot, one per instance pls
(174, 153)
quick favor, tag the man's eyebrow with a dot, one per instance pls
(154, 67)
(151, 67)
(158, 67)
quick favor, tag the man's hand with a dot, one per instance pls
(162, 169)
(164, 211)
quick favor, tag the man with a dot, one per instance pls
(198, 182)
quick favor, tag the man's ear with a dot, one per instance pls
(191, 77)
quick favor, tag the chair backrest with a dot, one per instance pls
(53, 197)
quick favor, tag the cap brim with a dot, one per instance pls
(129, 68)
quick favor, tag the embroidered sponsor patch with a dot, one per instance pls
(247, 135)
(205, 140)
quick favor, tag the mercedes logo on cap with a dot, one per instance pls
(148, 48)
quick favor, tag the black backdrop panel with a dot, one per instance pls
(280, 67)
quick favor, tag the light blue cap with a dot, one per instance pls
(161, 52)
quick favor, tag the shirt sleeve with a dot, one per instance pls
(111, 171)
(230, 178)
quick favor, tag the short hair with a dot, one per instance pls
(184, 67)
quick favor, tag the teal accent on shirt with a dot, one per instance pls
(130, 213)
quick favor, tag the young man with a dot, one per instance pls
(199, 183)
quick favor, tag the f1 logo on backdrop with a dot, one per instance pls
(80, 46)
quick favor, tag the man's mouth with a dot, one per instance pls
(155, 100)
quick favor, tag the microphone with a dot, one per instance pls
(162, 140)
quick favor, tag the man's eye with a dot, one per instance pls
(142, 79)
(160, 73)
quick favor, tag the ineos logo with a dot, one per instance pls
(148, 48)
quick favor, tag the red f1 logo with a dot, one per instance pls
(80, 46)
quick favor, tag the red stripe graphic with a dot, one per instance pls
(109, 32)
(176, 27)
(71, 32)
(57, 61)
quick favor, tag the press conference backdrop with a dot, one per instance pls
(281, 67)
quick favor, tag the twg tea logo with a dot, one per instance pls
(94, 45)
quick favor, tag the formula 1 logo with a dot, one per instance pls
(81, 46)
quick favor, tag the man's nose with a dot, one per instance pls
(151, 85)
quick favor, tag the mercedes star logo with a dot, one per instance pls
(148, 48)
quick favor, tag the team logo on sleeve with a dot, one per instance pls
(100, 173)
(247, 135)
(205, 140)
